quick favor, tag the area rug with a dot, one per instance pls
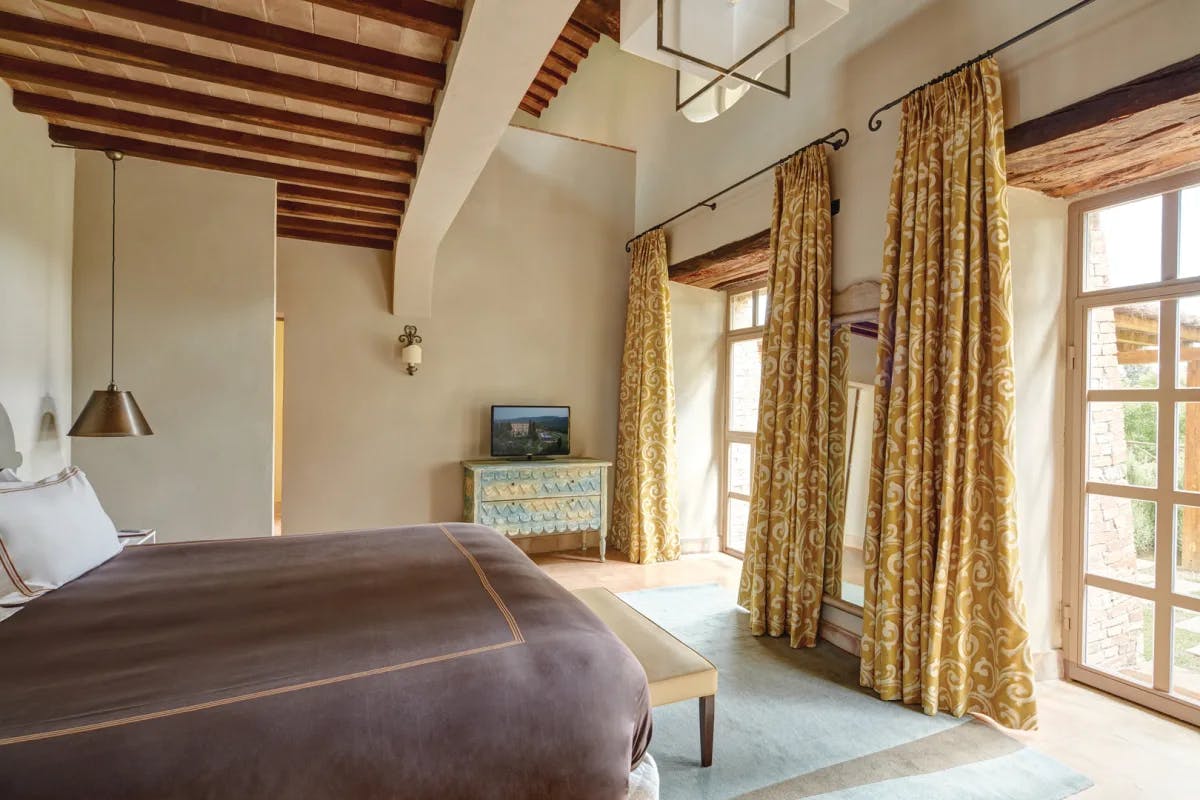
(794, 724)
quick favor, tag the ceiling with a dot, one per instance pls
(592, 18)
(331, 98)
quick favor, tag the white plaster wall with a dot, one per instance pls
(195, 343)
(529, 307)
(36, 190)
(698, 328)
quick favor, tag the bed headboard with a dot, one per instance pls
(9, 457)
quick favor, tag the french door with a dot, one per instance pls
(746, 320)
(1132, 579)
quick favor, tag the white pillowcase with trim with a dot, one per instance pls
(51, 532)
(8, 476)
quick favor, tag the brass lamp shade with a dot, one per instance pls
(111, 412)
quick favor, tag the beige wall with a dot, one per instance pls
(529, 307)
(1038, 230)
(880, 51)
(35, 291)
(698, 328)
(195, 317)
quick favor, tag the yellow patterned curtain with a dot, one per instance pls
(944, 619)
(799, 470)
(645, 516)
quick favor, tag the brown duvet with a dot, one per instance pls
(431, 661)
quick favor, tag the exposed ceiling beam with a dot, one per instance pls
(57, 109)
(331, 238)
(538, 102)
(204, 158)
(326, 226)
(292, 191)
(223, 26)
(124, 89)
(417, 15)
(542, 91)
(581, 32)
(552, 79)
(569, 48)
(560, 63)
(603, 16)
(66, 38)
(298, 208)
(728, 264)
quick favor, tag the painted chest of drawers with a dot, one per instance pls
(538, 498)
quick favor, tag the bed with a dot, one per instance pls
(416, 662)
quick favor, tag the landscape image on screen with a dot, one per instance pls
(531, 430)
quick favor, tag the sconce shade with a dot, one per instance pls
(411, 354)
(111, 412)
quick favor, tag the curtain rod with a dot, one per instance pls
(836, 139)
(874, 123)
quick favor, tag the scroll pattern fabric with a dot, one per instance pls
(944, 619)
(645, 515)
(793, 496)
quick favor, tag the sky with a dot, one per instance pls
(525, 412)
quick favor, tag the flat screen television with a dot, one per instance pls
(530, 431)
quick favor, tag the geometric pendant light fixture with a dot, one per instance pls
(112, 412)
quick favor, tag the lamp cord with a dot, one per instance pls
(112, 320)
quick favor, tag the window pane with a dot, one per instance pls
(1189, 232)
(1188, 337)
(740, 457)
(1123, 245)
(1120, 538)
(1123, 346)
(760, 307)
(741, 311)
(745, 369)
(1187, 550)
(1119, 636)
(1187, 447)
(1123, 443)
(1185, 677)
(737, 522)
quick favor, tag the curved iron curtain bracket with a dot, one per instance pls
(874, 123)
(836, 139)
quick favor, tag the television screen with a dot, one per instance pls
(531, 430)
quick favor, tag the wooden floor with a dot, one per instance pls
(1128, 752)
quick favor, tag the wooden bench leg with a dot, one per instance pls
(708, 717)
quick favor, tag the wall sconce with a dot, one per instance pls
(411, 354)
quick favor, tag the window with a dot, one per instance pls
(745, 324)
(1133, 563)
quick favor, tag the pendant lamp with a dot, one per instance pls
(111, 411)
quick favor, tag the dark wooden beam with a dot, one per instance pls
(549, 78)
(210, 160)
(66, 38)
(1166, 85)
(726, 265)
(223, 26)
(332, 238)
(297, 208)
(530, 108)
(341, 228)
(540, 91)
(1138, 130)
(538, 102)
(333, 197)
(570, 48)
(603, 16)
(57, 109)
(417, 15)
(561, 64)
(123, 89)
(581, 33)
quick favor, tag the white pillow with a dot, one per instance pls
(8, 476)
(51, 532)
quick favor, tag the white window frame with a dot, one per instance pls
(1075, 578)
(728, 436)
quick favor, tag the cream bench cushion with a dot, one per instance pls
(675, 671)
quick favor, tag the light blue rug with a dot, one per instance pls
(794, 724)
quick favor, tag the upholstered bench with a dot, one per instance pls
(675, 671)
